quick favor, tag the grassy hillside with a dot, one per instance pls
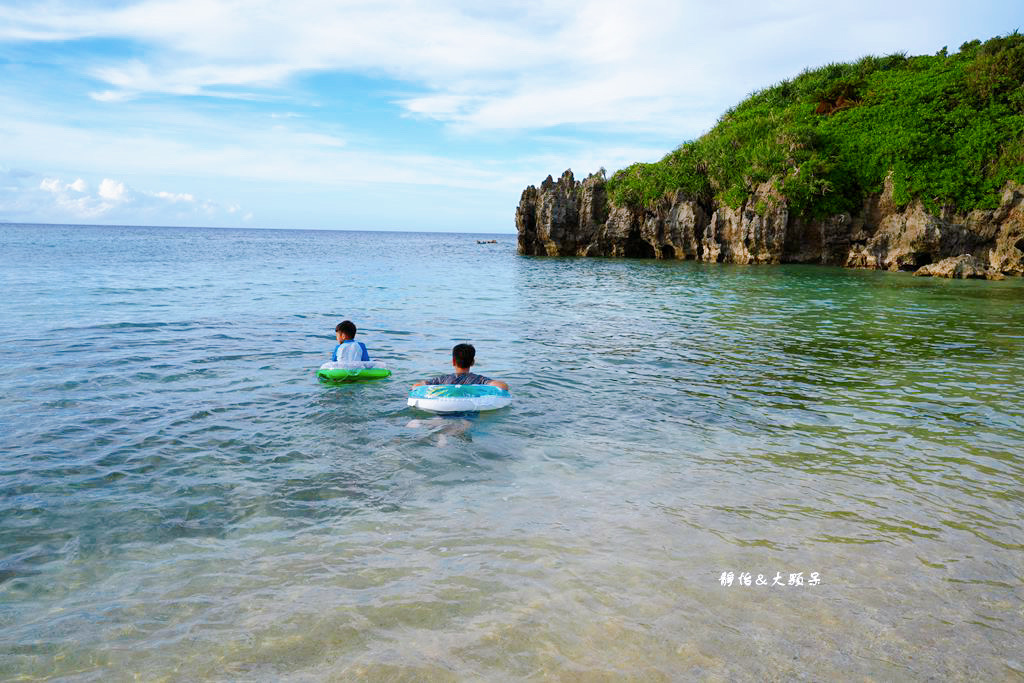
(950, 128)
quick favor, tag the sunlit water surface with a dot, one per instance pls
(180, 499)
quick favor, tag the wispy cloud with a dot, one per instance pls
(532, 65)
(247, 148)
(26, 195)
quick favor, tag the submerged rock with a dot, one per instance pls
(963, 266)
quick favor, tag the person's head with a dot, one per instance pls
(345, 330)
(463, 356)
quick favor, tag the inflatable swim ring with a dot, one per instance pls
(458, 398)
(352, 371)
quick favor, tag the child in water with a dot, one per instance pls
(463, 358)
(348, 348)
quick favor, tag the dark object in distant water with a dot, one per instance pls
(487, 241)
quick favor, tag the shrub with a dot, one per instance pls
(949, 128)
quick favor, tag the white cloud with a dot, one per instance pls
(528, 65)
(441, 106)
(109, 96)
(55, 186)
(243, 150)
(53, 200)
(112, 190)
(184, 197)
(66, 199)
(212, 43)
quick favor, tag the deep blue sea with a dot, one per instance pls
(707, 471)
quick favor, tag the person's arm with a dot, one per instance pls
(498, 383)
(366, 354)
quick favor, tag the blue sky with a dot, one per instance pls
(391, 115)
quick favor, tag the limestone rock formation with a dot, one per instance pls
(963, 266)
(1007, 222)
(753, 233)
(572, 218)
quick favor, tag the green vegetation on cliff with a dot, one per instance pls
(950, 129)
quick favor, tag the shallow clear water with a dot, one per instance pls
(180, 499)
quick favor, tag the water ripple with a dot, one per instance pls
(180, 497)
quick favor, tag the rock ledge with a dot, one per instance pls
(963, 266)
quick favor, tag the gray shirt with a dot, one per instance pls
(467, 378)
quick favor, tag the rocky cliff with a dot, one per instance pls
(572, 218)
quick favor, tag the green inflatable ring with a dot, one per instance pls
(352, 371)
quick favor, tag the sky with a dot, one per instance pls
(392, 115)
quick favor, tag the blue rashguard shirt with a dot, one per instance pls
(350, 349)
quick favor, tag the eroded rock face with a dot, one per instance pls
(912, 238)
(753, 233)
(672, 230)
(1007, 256)
(963, 266)
(571, 218)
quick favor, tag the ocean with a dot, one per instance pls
(707, 471)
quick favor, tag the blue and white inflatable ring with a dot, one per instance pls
(458, 398)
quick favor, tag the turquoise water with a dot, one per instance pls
(180, 499)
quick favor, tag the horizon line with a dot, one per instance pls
(230, 227)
